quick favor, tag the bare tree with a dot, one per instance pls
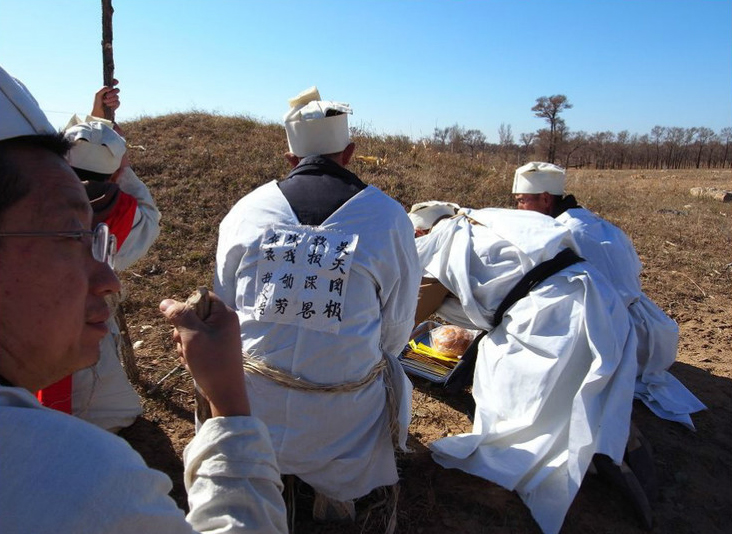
(505, 135)
(455, 137)
(621, 145)
(440, 135)
(600, 143)
(703, 136)
(574, 142)
(549, 108)
(542, 143)
(674, 142)
(641, 151)
(527, 139)
(657, 134)
(665, 147)
(475, 139)
(726, 135)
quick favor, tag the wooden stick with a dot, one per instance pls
(125, 352)
(126, 349)
(201, 303)
(170, 373)
(107, 52)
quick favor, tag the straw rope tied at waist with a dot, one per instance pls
(256, 365)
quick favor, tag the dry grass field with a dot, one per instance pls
(197, 166)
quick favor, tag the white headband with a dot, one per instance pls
(424, 215)
(537, 177)
(309, 131)
(96, 146)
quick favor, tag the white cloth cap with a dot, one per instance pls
(309, 131)
(424, 215)
(537, 177)
(19, 112)
(97, 147)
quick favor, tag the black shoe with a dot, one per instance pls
(622, 477)
(639, 457)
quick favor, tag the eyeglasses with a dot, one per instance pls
(103, 246)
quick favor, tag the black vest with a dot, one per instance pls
(317, 187)
(566, 203)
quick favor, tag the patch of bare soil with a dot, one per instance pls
(684, 243)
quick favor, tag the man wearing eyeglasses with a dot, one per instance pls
(59, 473)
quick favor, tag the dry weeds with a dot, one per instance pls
(197, 166)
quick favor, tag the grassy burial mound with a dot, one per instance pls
(197, 166)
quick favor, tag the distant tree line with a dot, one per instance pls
(663, 148)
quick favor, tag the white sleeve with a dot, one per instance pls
(229, 253)
(399, 302)
(61, 474)
(146, 224)
(232, 478)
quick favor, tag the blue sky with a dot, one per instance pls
(406, 67)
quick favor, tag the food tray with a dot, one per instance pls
(436, 373)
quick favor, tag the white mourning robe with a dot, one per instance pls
(60, 474)
(102, 394)
(607, 247)
(339, 443)
(553, 383)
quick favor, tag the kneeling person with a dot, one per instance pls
(539, 187)
(102, 394)
(322, 270)
(553, 382)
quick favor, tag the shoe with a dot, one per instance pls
(622, 477)
(639, 457)
(330, 510)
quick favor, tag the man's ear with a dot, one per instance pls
(347, 153)
(547, 201)
(292, 159)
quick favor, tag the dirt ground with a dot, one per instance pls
(687, 272)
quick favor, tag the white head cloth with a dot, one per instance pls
(309, 131)
(19, 112)
(424, 215)
(97, 147)
(537, 177)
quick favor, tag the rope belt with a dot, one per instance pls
(285, 379)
